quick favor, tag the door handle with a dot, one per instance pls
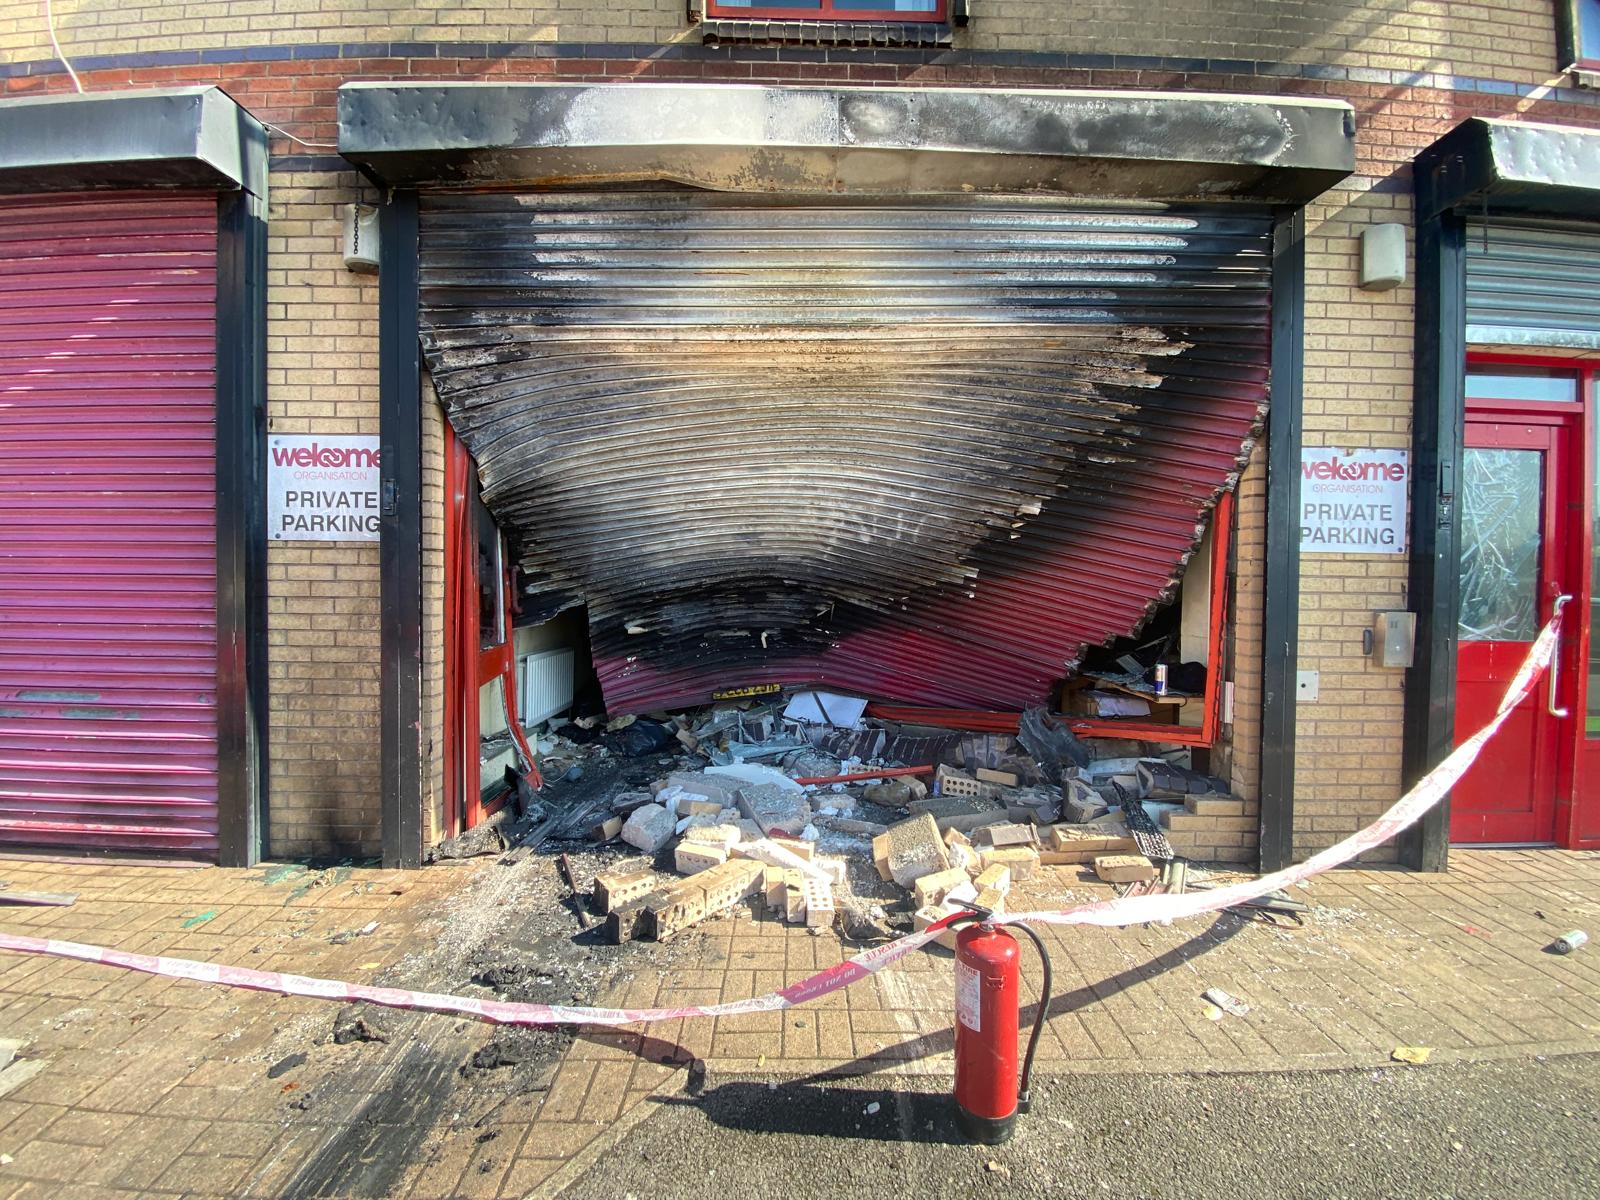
(1561, 602)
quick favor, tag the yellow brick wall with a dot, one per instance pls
(1503, 39)
(1358, 364)
(322, 597)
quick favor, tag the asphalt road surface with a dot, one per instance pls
(1510, 1128)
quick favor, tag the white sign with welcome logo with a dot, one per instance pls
(322, 488)
(1353, 501)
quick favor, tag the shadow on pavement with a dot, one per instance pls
(818, 1110)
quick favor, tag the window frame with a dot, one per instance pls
(719, 10)
(1571, 52)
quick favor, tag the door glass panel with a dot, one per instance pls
(1521, 383)
(1501, 506)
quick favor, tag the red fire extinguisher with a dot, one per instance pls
(988, 995)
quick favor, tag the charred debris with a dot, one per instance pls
(801, 804)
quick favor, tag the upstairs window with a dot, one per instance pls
(830, 10)
(1578, 35)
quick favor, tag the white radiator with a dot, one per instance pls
(546, 685)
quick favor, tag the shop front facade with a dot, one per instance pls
(1090, 311)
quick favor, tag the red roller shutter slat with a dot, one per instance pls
(108, 647)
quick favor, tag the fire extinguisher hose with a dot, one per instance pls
(1042, 1010)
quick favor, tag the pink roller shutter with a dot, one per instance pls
(108, 632)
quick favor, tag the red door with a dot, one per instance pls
(1515, 540)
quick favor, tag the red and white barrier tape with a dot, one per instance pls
(1133, 910)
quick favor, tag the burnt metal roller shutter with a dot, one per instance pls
(927, 449)
(1533, 283)
(108, 650)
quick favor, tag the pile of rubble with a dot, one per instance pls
(780, 832)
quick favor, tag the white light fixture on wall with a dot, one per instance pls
(361, 237)
(1383, 257)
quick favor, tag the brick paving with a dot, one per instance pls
(158, 1087)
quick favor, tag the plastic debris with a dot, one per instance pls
(1416, 1055)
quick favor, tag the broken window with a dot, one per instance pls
(1501, 506)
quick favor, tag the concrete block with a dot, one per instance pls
(1124, 868)
(773, 807)
(691, 858)
(703, 808)
(1021, 860)
(1003, 778)
(649, 828)
(794, 900)
(612, 889)
(931, 889)
(915, 850)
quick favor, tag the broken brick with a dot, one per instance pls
(673, 910)
(1008, 834)
(624, 923)
(1124, 868)
(612, 889)
(690, 858)
(931, 889)
(1003, 778)
(992, 899)
(1021, 860)
(819, 904)
(997, 877)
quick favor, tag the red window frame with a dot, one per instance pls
(826, 10)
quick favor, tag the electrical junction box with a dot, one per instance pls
(361, 237)
(1394, 639)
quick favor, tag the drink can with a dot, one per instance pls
(1161, 679)
(1569, 941)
